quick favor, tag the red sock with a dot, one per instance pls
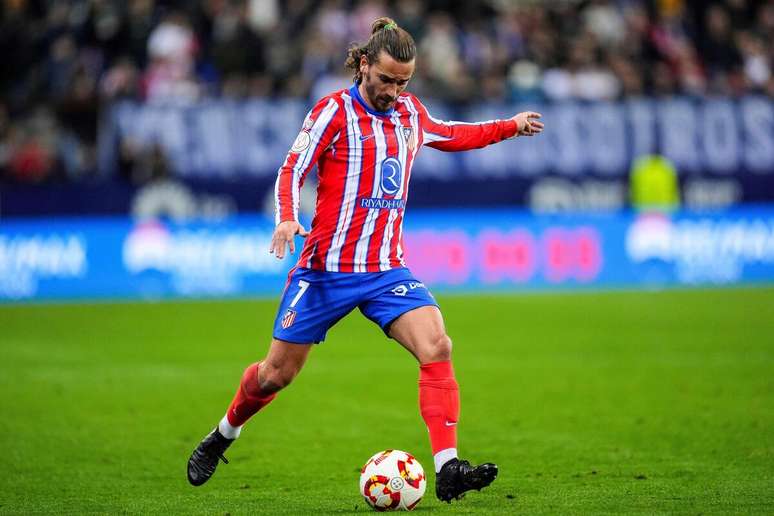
(248, 399)
(439, 403)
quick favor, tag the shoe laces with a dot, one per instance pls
(218, 447)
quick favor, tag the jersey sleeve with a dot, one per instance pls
(321, 126)
(460, 136)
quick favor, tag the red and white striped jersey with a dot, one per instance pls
(364, 160)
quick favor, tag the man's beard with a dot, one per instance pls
(382, 103)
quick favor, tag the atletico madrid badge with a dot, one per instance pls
(408, 135)
(288, 318)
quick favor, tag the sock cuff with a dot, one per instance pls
(442, 457)
(436, 371)
(260, 398)
(228, 430)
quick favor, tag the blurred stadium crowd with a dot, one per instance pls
(64, 60)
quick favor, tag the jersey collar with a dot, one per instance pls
(356, 95)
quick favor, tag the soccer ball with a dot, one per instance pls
(392, 480)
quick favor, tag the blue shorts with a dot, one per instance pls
(314, 301)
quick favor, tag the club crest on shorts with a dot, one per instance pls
(288, 318)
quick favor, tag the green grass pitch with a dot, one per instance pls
(591, 403)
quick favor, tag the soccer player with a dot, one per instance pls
(364, 141)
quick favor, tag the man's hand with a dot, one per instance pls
(283, 234)
(528, 124)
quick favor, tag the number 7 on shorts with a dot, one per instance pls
(302, 286)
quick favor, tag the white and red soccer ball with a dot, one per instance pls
(392, 480)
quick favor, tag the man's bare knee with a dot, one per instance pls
(439, 350)
(275, 377)
(282, 364)
(272, 379)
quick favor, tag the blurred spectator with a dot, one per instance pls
(121, 80)
(170, 75)
(32, 148)
(653, 184)
(439, 51)
(756, 62)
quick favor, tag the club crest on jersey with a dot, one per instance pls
(408, 137)
(288, 318)
(391, 176)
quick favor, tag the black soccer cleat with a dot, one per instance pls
(204, 458)
(458, 476)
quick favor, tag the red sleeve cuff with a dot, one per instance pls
(511, 128)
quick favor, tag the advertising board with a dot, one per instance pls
(461, 250)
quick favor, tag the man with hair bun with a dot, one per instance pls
(364, 140)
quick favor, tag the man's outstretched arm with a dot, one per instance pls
(461, 136)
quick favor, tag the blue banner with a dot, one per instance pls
(475, 250)
(716, 136)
